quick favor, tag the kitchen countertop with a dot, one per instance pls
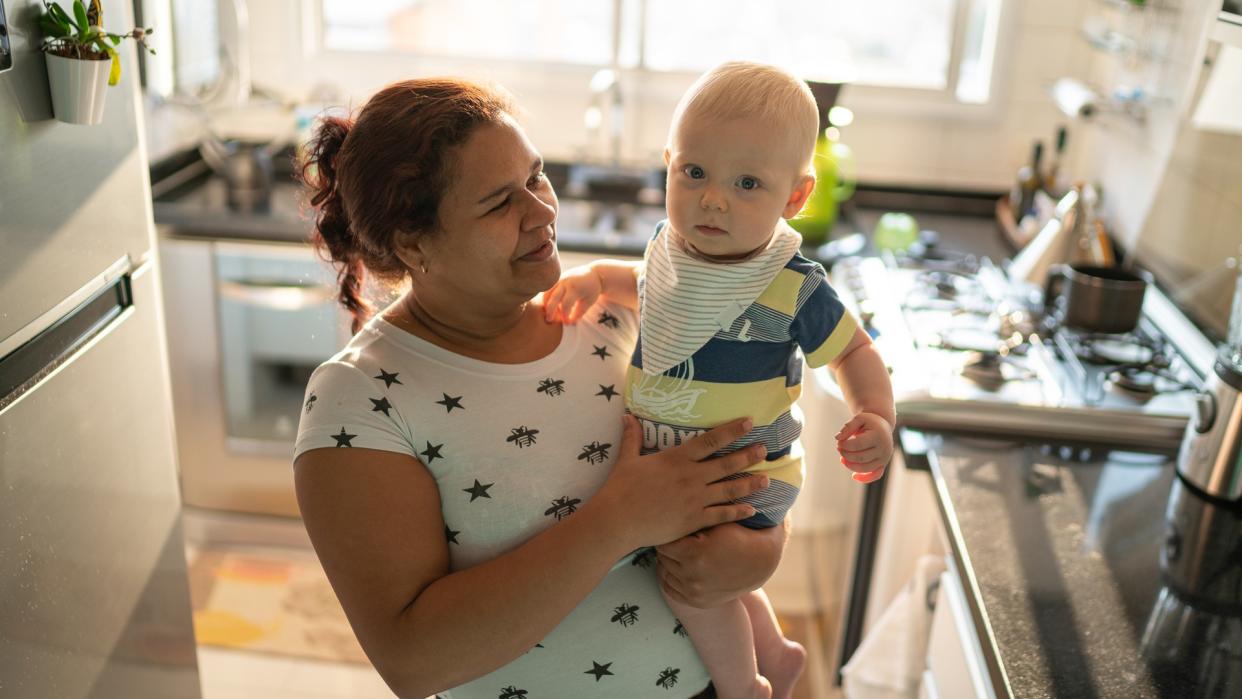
(1060, 554)
(190, 201)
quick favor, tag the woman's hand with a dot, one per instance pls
(660, 497)
(710, 567)
(569, 299)
(866, 445)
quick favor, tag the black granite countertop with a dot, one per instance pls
(1085, 573)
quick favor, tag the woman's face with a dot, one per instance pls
(497, 243)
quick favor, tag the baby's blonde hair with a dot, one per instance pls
(765, 93)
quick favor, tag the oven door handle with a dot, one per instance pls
(275, 295)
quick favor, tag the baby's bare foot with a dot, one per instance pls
(783, 674)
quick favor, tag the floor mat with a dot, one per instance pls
(274, 603)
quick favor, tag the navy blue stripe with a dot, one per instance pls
(727, 361)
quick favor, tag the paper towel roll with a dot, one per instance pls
(1074, 98)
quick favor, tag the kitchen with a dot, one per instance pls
(1067, 537)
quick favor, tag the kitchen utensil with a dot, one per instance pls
(1050, 246)
(1097, 299)
(1211, 453)
(247, 169)
(1192, 632)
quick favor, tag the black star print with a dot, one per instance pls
(608, 319)
(478, 491)
(601, 352)
(607, 391)
(451, 535)
(310, 402)
(381, 405)
(599, 670)
(680, 630)
(342, 439)
(432, 452)
(451, 402)
(388, 379)
(512, 692)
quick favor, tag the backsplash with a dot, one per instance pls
(1172, 192)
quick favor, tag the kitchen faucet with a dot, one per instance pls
(606, 87)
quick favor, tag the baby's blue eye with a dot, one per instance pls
(695, 172)
(747, 182)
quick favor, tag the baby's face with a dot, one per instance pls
(729, 183)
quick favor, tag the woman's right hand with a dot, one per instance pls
(660, 497)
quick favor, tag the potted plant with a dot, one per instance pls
(82, 59)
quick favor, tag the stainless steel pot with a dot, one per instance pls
(1097, 299)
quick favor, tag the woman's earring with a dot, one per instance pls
(422, 267)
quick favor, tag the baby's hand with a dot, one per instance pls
(569, 299)
(866, 445)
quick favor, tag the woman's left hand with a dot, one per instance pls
(712, 566)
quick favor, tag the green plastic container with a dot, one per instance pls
(895, 232)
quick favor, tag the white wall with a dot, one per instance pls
(895, 142)
(1172, 191)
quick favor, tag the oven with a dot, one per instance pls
(247, 324)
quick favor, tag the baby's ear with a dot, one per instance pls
(668, 158)
(797, 198)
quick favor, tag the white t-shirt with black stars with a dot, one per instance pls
(514, 448)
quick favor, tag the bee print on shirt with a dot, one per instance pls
(626, 614)
(522, 436)
(562, 507)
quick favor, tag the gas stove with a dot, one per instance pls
(969, 350)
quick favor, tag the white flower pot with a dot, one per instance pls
(78, 88)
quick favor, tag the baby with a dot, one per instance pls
(725, 302)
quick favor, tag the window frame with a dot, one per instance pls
(643, 84)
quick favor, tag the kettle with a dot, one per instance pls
(247, 169)
(1211, 453)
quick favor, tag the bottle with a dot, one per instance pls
(1054, 182)
(1022, 196)
(833, 162)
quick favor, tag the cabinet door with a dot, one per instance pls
(955, 665)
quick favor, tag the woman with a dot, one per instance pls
(462, 465)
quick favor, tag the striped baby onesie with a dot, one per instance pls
(752, 367)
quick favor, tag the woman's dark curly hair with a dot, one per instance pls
(385, 171)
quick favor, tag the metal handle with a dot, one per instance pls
(276, 296)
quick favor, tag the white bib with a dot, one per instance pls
(686, 301)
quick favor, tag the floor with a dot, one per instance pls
(804, 591)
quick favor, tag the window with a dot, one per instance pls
(935, 45)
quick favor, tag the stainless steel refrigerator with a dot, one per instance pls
(94, 600)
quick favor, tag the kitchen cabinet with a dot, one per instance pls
(955, 665)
